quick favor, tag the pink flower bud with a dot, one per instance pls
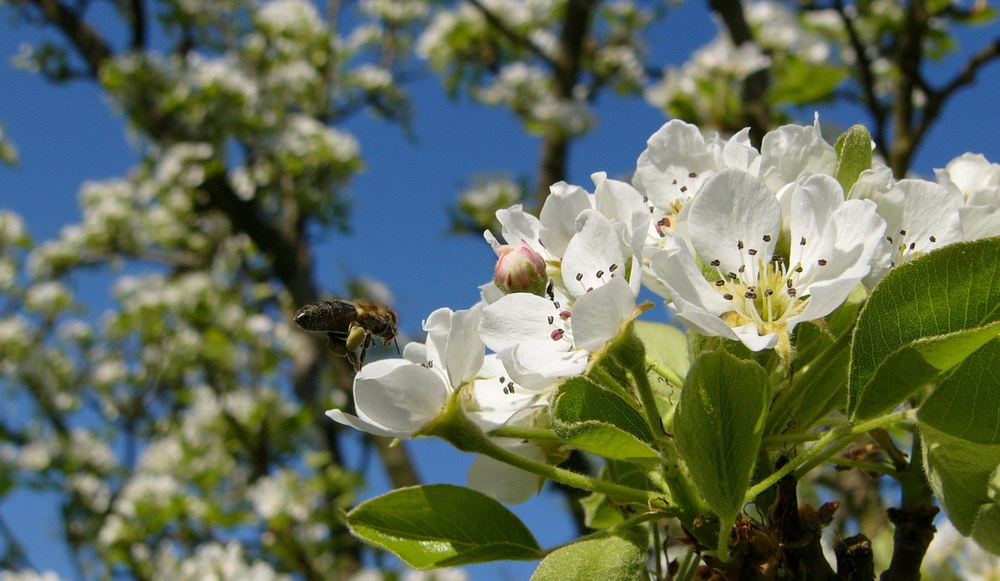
(520, 270)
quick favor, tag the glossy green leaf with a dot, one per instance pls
(925, 317)
(615, 558)
(960, 425)
(598, 421)
(442, 525)
(718, 427)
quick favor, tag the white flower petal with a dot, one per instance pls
(791, 150)
(676, 157)
(403, 399)
(465, 348)
(734, 210)
(519, 319)
(357, 423)
(528, 362)
(558, 216)
(517, 225)
(686, 285)
(504, 482)
(593, 255)
(598, 314)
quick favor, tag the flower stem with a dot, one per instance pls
(524, 433)
(831, 443)
(455, 427)
(665, 372)
(618, 528)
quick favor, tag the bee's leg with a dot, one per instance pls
(336, 344)
(357, 337)
(364, 348)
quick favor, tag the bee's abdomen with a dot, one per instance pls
(326, 316)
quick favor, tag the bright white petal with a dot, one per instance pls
(736, 220)
(521, 319)
(739, 153)
(617, 200)
(357, 423)
(465, 348)
(402, 400)
(753, 340)
(980, 221)
(598, 314)
(529, 362)
(517, 225)
(706, 324)
(558, 216)
(593, 256)
(791, 150)
(502, 481)
(675, 163)
(824, 297)
(675, 267)
(921, 214)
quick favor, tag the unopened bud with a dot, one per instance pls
(520, 270)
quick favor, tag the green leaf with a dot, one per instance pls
(665, 344)
(442, 525)
(817, 390)
(922, 319)
(601, 512)
(599, 421)
(960, 425)
(854, 150)
(718, 427)
(800, 82)
(617, 558)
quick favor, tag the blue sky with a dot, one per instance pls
(68, 135)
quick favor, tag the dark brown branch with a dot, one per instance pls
(914, 532)
(855, 559)
(936, 99)
(518, 39)
(137, 19)
(864, 66)
(565, 73)
(88, 42)
(800, 533)
(756, 109)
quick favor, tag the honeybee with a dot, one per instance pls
(350, 326)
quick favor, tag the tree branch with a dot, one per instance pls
(88, 42)
(757, 111)
(864, 64)
(565, 72)
(519, 39)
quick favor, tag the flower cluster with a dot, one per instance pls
(744, 244)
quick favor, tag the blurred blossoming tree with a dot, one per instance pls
(185, 431)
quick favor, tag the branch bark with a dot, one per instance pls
(757, 111)
(565, 73)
